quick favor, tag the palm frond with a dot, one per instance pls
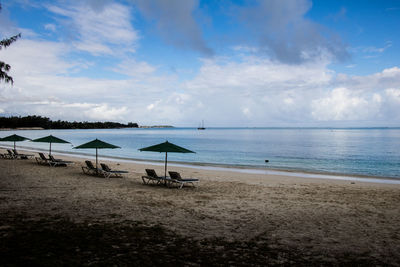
(8, 41)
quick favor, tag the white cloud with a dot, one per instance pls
(246, 111)
(392, 104)
(99, 31)
(393, 94)
(288, 101)
(173, 107)
(257, 75)
(252, 92)
(29, 58)
(349, 104)
(134, 68)
(387, 78)
(340, 104)
(262, 92)
(50, 27)
(373, 49)
(151, 106)
(104, 112)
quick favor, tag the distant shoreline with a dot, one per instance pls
(211, 128)
(41, 128)
(22, 128)
(156, 126)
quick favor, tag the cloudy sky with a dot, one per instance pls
(229, 63)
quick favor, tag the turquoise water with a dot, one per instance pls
(372, 152)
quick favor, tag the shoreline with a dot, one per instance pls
(229, 168)
(216, 128)
(22, 129)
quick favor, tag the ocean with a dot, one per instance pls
(355, 151)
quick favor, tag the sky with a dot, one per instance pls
(272, 63)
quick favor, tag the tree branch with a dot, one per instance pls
(6, 42)
(4, 68)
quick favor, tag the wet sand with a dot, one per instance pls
(229, 218)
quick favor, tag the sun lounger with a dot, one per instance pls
(91, 170)
(22, 156)
(51, 161)
(59, 162)
(42, 160)
(153, 178)
(4, 155)
(107, 171)
(176, 178)
(9, 155)
(13, 154)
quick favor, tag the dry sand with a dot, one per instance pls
(323, 221)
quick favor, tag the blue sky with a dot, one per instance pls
(229, 63)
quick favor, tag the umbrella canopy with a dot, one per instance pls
(50, 139)
(97, 144)
(166, 147)
(14, 138)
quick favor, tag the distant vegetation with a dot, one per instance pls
(46, 123)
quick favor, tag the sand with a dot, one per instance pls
(321, 221)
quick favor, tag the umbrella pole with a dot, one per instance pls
(165, 171)
(50, 149)
(96, 159)
(14, 146)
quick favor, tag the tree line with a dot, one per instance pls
(45, 123)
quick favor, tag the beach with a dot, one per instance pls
(229, 218)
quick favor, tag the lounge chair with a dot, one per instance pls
(4, 155)
(59, 162)
(9, 155)
(153, 178)
(91, 170)
(108, 172)
(22, 156)
(176, 178)
(42, 160)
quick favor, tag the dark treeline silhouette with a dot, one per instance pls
(46, 123)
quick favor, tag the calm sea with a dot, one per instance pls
(371, 151)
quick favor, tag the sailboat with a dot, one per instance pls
(201, 127)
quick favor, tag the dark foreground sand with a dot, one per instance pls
(59, 216)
